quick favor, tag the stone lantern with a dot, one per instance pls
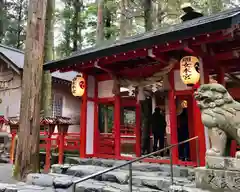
(48, 124)
(62, 125)
(13, 123)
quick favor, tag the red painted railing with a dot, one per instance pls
(71, 141)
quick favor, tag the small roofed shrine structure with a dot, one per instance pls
(120, 75)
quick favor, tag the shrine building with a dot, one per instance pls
(114, 79)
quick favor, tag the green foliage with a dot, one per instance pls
(82, 30)
(15, 22)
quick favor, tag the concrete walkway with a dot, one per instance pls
(6, 173)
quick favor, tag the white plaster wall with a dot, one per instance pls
(71, 105)
(90, 127)
(105, 89)
(11, 97)
(91, 87)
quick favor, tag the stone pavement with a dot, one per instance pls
(6, 173)
(146, 178)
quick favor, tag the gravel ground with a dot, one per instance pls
(6, 173)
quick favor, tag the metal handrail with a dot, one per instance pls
(139, 159)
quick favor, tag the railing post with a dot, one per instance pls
(171, 165)
(73, 187)
(130, 177)
(48, 153)
(61, 148)
(197, 152)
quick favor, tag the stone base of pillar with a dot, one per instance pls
(220, 174)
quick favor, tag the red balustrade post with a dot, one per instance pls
(13, 145)
(138, 131)
(62, 125)
(13, 123)
(61, 148)
(49, 124)
(117, 122)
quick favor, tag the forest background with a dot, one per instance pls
(75, 21)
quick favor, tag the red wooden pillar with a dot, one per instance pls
(48, 153)
(220, 76)
(96, 130)
(233, 149)
(83, 124)
(173, 119)
(12, 146)
(62, 130)
(61, 147)
(199, 129)
(138, 131)
(117, 122)
(49, 131)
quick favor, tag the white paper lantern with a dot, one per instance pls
(78, 86)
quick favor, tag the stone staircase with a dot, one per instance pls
(146, 177)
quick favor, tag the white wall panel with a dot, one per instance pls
(105, 89)
(90, 128)
(91, 87)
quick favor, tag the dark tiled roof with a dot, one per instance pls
(16, 57)
(223, 20)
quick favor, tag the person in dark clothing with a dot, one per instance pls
(158, 129)
(183, 135)
(146, 107)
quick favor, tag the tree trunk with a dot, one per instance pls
(148, 21)
(48, 56)
(1, 20)
(123, 30)
(100, 24)
(146, 111)
(27, 157)
(108, 22)
(125, 23)
(76, 5)
(216, 6)
(19, 30)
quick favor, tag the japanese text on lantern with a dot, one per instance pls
(190, 70)
(78, 86)
(187, 68)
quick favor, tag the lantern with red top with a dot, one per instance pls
(48, 124)
(13, 123)
(62, 125)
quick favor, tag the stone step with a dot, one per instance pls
(177, 188)
(157, 180)
(22, 187)
(92, 185)
(161, 183)
(84, 170)
(179, 171)
(63, 182)
(120, 175)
